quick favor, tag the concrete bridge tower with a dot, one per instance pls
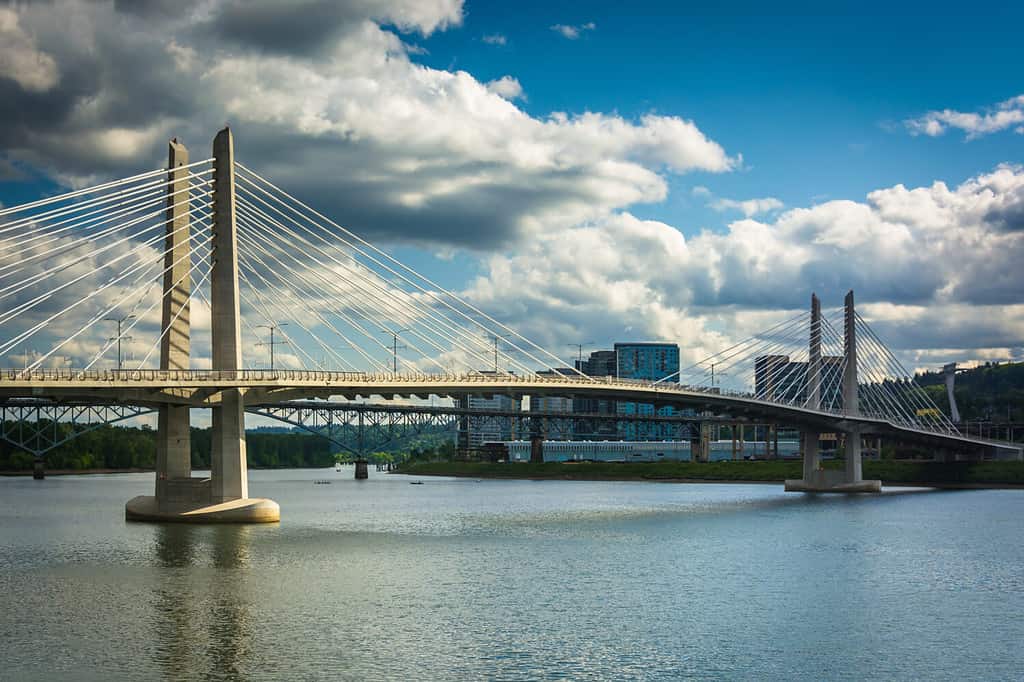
(224, 497)
(816, 479)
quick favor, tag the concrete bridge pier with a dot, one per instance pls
(224, 497)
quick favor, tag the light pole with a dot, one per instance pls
(120, 321)
(496, 339)
(395, 347)
(272, 328)
(579, 354)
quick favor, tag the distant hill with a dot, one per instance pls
(991, 392)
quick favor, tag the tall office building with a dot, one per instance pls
(649, 362)
(777, 378)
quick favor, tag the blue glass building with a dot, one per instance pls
(650, 362)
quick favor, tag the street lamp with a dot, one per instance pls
(495, 338)
(272, 328)
(395, 347)
(120, 321)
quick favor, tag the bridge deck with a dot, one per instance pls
(199, 388)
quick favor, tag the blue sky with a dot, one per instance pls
(812, 96)
(575, 168)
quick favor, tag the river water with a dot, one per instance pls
(465, 579)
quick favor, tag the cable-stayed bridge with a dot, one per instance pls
(186, 265)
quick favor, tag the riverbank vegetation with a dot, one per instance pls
(124, 448)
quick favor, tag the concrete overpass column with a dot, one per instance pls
(228, 464)
(173, 445)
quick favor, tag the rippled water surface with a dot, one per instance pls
(464, 579)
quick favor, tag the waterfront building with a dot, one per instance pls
(648, 362)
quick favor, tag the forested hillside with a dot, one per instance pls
(991, 392)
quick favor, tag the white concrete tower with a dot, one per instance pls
(173, 444)
(229, 478)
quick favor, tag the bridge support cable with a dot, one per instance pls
(301, 305)
(743, 366)
(89, 214)
(313, 217)
(356, 306)
(99, 316)
(394, 300)
(875, 400)
(12, 289)
(260, 306)
(199, 215)
(741, 354)
(738, 348)
(128, 271)
(133, 313)
(182, 310)
(94, 189)
(263, 244)
(914, 393)
(926, 407)
(413, 312)
(892, 383)
(137, 250)
(284, 313)
(31, 254)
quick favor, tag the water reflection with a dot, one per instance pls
(203, 619)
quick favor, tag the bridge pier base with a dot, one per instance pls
(818, 480)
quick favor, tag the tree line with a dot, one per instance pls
(127, 447)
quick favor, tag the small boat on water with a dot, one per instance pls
(415, 482)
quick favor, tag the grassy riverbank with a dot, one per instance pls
(955, 474)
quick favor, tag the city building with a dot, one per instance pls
(648, 362)
(476, 432)
(780, 379)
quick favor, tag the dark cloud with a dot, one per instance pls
(302, 27)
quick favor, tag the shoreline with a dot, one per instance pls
(892, 473)
(658, 479)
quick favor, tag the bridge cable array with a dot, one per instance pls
(98, 255)
(70, 262)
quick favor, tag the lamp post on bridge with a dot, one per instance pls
(272, 343)
(120, 321)
(395, 346)
(496, 339)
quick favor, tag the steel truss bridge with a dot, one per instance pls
(194, 260)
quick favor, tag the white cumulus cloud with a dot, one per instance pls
(507, 87)
(1006, 114)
